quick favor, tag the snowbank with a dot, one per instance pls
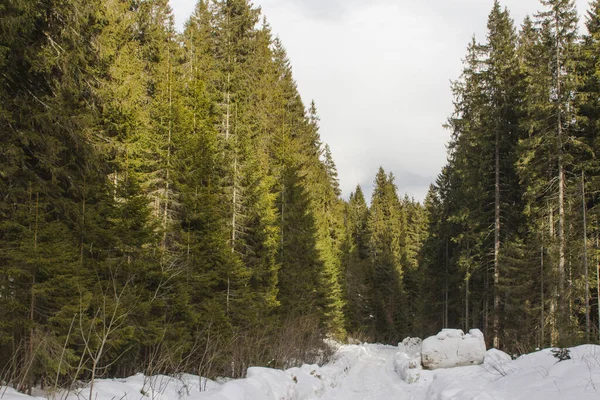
(260, 384)
(12, 394)
(407, 362)
(452, 348)
(535, 376)
(136, 387)
(408, 368)
(498, 362)
(367, 372)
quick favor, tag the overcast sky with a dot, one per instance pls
(379, 72)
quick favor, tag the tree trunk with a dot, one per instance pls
(542, 324)
(167, 172)
(234, 205)
(82, 223)
(585, 262)
(496, 321)
(561, 193)
(554, 290)
(468, 277)
(598, 282)
(227, 107)
(446, 289)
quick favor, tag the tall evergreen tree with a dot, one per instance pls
(587, 119)
(389, 297)
(503, 94)
(357, 268)
(550, 123)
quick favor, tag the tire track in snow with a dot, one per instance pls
(370, 375)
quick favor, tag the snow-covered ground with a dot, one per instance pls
(368, 372)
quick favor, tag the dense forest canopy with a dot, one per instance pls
(167, 203)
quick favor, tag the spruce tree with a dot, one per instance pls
(503, 92)
(386, 280)
(545, 157)
(355, 261)
(588, 123)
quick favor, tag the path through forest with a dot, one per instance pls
(371, 375)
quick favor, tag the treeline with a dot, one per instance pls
(381, 263)
(167, 205)
(166, 201)
(514, 215)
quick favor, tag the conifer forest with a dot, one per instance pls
(167, 203)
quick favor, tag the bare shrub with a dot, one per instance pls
(300, 341)
(294, 342)
(36, 361)
(361, 336)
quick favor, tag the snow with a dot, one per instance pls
(408, 368)
(411, 346)
(452, 348)
(369, 371)
(407, 362)
(497, 361)
(366, 372)
(536, 376)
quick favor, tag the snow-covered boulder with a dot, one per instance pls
(410, 346)
(452, 348)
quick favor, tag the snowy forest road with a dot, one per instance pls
(367, 372)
